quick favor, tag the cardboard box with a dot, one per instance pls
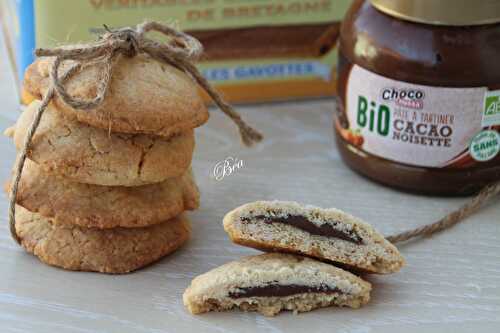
(255, 50)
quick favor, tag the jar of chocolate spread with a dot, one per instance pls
(419, 93)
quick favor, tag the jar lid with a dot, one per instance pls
(442, 12)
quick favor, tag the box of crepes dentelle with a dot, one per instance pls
(255, 50)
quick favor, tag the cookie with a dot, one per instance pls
(118, 250)
(326, 234)
(144, 96)
(85, 154)
(68, 202)
(269, 283)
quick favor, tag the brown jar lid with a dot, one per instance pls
(442, 12)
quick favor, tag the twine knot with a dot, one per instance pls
(128, 37)
(180, 50)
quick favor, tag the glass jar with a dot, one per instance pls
(419, 94)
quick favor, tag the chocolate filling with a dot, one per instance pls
(276, 290)
(302, 223)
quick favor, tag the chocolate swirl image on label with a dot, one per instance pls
(310, 40)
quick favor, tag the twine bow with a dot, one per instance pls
(180, 51)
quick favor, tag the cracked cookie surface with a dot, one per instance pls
(64, 146)
(270, 283)
(118, 250)
(326, 234)
(68, 202)
(144, 96)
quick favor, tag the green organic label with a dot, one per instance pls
(485, 146)
(377, 118)
(491, 114)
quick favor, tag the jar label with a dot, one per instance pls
(420, 125)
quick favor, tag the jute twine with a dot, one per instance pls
(467, 209)
(181, 50)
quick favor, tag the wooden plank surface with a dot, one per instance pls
(450, 284)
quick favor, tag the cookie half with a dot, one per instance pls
(144, 96)
(67, 202)
(327, 234)
(269, 283)
(118, 250)
(64, 146)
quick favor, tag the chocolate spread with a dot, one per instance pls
(276, 290)
(411, 54)
(302, 223)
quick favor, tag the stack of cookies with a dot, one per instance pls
(105, 189)
(302, 275)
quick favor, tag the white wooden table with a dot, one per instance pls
(450, 284)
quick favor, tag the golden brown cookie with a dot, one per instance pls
(85, 154)
(326, 234)
(67, 202)
(118, 250)
(144, 96)
(269, 283)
